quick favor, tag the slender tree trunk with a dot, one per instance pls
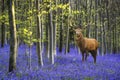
(29, 59)
(102, 41)
(111, 41)
(117, 39)
(51, 37)
(118, 42)
(3, 26)
(108, 24)
(47, 40)
(61, 39)
(30, 27)
(104, 38)
(54, 29)
(113, 35)
(86, 12)
(17, 25)
(38, 28)
(61, 32)
(115, 47)
(54, 38)
(96, 18)
(47, 43)
(13, 37)
(67, 38)
(88, 30)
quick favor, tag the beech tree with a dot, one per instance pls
(39, 40)
(13, 37)
(52, 22)
(3, 24)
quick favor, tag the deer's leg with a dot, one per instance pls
(94, 54)
(82, 57)
(86, 55)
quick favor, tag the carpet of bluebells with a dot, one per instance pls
(66, 67)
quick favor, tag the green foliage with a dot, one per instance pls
(26, 35)
(72, 14)
(4, 18)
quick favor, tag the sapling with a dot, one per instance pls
(28, 40)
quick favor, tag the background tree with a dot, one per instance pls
(13, 37)
(3, 25)
(51, 23)
(39, 40)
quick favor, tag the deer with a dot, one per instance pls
(86, 45)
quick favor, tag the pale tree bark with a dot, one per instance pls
(30, 28)
(17, 18)
(67, 36)
(47, 40)
(13, 37)
(55, 29)
(104, 38)
(51, 36)
(53, 25)
(103, 35)
(102, 41)
(38, 28)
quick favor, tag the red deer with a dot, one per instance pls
(86, 45)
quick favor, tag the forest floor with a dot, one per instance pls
(66, 67)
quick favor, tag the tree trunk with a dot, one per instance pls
(67, 38)
(55, 29)
(61, 31)
(96, 18)
(104, 38)
(61, 39)
(54, 38)
(88, 31)
(111, 41)
(39, 43)
(47, 40)
(115, 47)
(3, 26)
(51, 36)
(13, 37)
(109, 25)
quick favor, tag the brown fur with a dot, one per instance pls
(86, 45)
